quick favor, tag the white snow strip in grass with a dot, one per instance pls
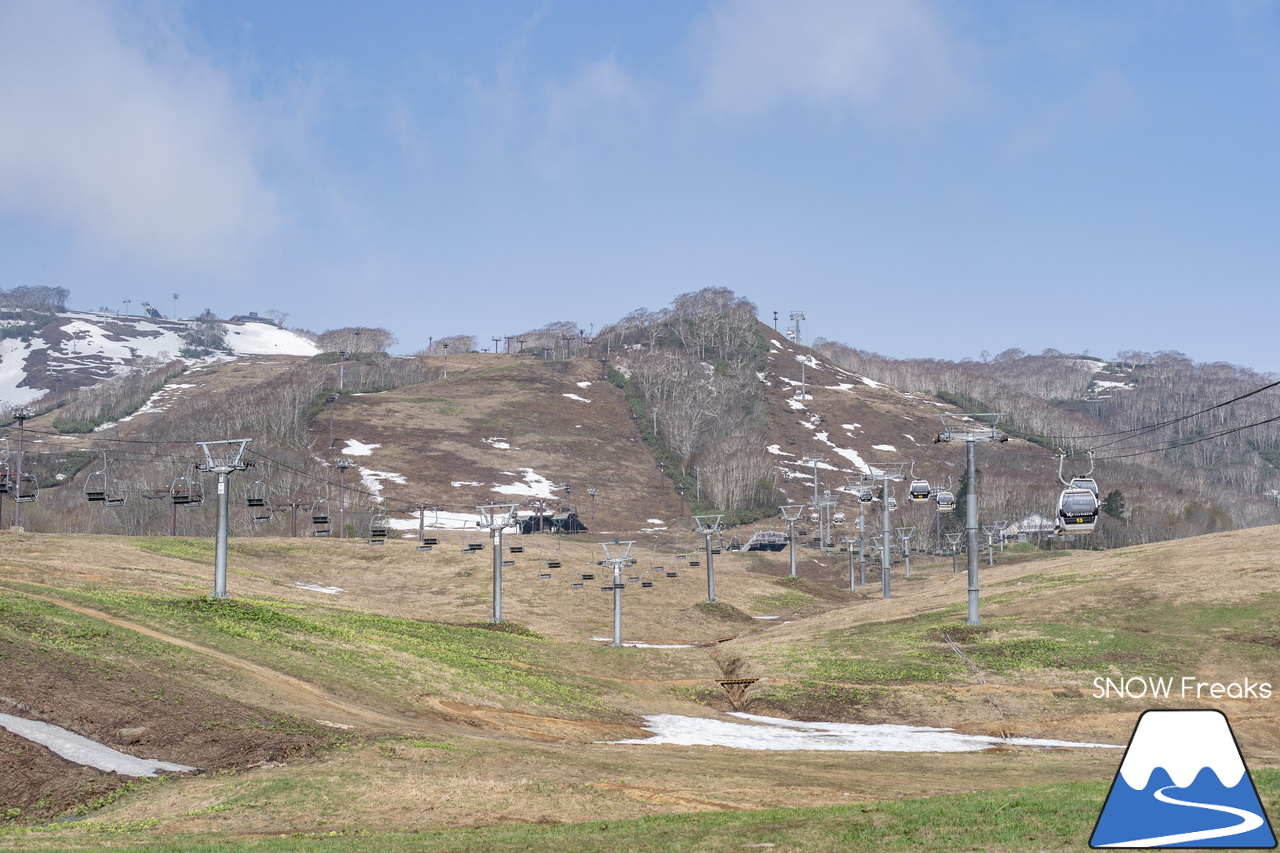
(871, 382)
(655, 521)
(843, 386)
(639, 646)
(911, 439)
(497, 443)
(796, 404)
(778, 344)
(153, 403)
(773, 733)
(887, 448)
(373, 479)
(776, 450)
(355, 448)
(267, 339)
(460, 483)
(327, 590)
(851, 427)
(576, 397)
(584, 384)
(81, 750)
(438, 521)
(851, 455)
(534, 486)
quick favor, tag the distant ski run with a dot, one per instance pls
(1250, 821)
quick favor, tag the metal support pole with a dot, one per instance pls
(792, 547)
(971, 530)
(862, 543)
(885, 542)
(852, 576)
(711, 572)
(617, 604)
(497, 574)
(906, 555)
(220, 552)
(21, 415)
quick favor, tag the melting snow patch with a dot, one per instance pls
(843, 386)
(637, 646)
(851, 427)
(871, 382)
(535, 486)
(576, 397)
(373, 479)
(888, 448)
(776, 450)
(81, 750)
(774, 733)
(796, 404)
(355, 448)
(655, 521)
(498, 443)
(460, 483)
(327, 590)
(583, 384)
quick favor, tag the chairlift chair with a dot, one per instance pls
(186, 490)
(320, 523)
(95, 487)
(378, 526)
(255, 495)
(115, 495)
(26, 488)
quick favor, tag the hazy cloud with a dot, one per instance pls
(116, 131)
(600, 103)
(892, 60)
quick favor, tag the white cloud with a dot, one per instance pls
(601, 103)
(889, 59)
(114, 130)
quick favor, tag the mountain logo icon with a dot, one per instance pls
(1183, 783)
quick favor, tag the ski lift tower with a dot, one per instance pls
(619, 558)
(796, 317)
(862, 525)
(885, 471)
(791, 512)
(708, 526)
(906, 534)
(221, 458)
(972, 429)
(496, 517)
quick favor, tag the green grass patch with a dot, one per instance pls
(1049, 817)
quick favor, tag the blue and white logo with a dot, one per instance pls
(1183, 783)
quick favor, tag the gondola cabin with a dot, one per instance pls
(1085, 483)
(946, 502)
(1077, 511)
(866, 496)
(919, 492)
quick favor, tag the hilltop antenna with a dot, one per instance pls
(958, 427)
(708, 526)
(495, 517)
(221, 458)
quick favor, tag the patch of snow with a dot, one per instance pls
(497, 443)
(153, 402)
(778, 344)
(13, 370)
(655, 521)
(851, 455)
(267, 339)
(796, 404)
(583, 384)
(82, 750)
(438, 521)
(1103, 383)
(911, 439)
(534, 486)
(774, 733)
(328, 590)
(851, 427)
(576, 397)
(843, 386)
(776, 450)
(355, 448)
(459, 483)
(373, 479)
(887, 448)
(639, 646)
(871, 382)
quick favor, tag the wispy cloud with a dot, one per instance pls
(599, 104)
(892, 61)
(117, 132)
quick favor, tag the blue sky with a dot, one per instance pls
(921, 179)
